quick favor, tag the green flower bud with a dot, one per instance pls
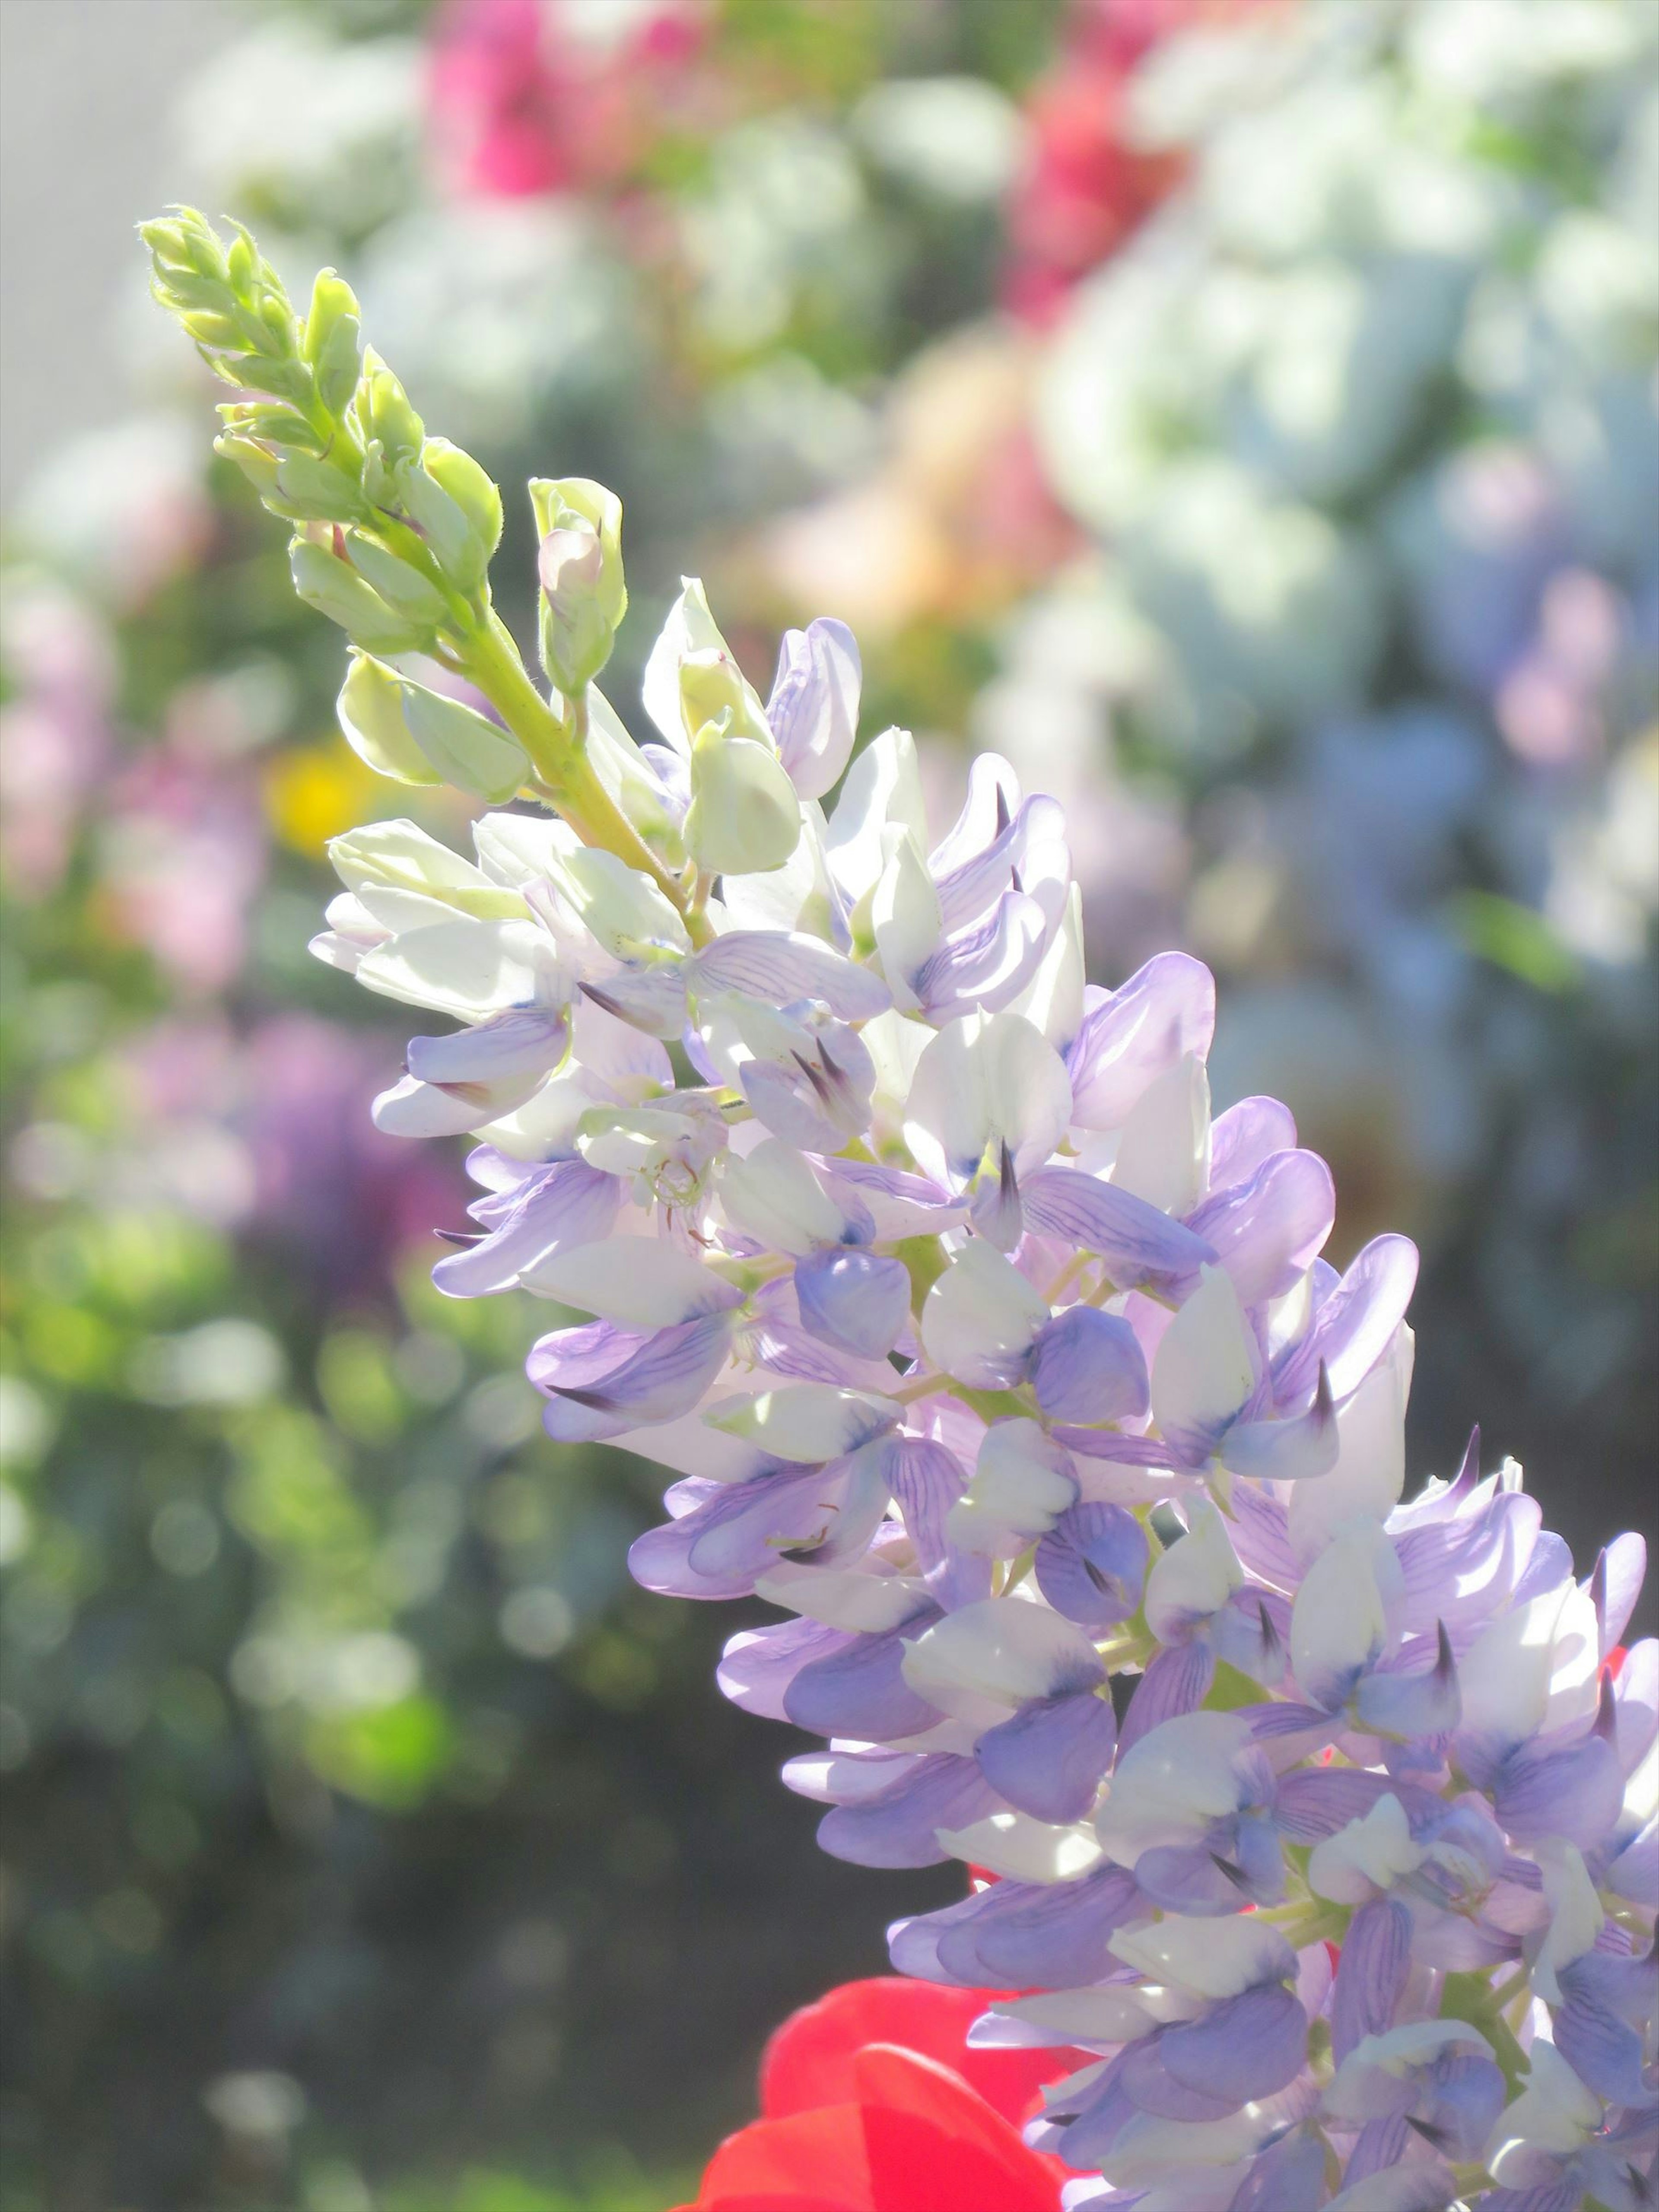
(464, 747)
(333, 586)
(404, 588)
(383, 409)
(573, 501)
(256, 461)
(470, 487)
(371, 717)
(712, 686)
(744, 815)
(442, 523)
(575, 637)
(310, 491)
(620, 767)
(333, 342)
(273, 426)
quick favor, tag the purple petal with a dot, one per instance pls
(1138, 1243)
(900, 1204)
(1091, 1565)
(1201, 1883)
(1176, 1682)
(1088, 1366)
(1021, 1934)
(1246, 1135)
(780, 967)
(861, 1691)
(813, 711)
(1317, 1801)
(1150, 2087)
(1305, 1446)
(1409, 1706)
(1356, 1324)
(1132, 1035)
(966, 891)
(758, 1664)
(1617, 1583)
(566, 1204)
(718, 1548)
(899, 1826)
(1260, 1533)
(857, 1301)
(1380, 2144)
(1576, 1792)
(522, 1041)
(927, 1480)
(650, 998)
(1598, 2030)
(1288, 2178)
(661, 1376)
(1048, 1759)
(982, 967)
(1370, 1973)
(1267, 1232)
(1244, 2048)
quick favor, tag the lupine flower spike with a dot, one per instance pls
(1322, 1822)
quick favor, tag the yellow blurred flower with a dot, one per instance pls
(313, 792)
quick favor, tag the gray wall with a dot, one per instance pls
(85, 94)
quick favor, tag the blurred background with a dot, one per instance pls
(1239, 412)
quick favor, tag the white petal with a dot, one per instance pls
(883, 785)
(1555, 2112)
(466, 968)
(1022, 1483)
(1195, 1576)
(1575, 1917)
(1340, 1621)
(1213, 1958)
(840, 1597)
(1163, 1154)
(1053, 1001)
(1504, 1678)
(980, 1317)
(1370, 1473)
(1021, 1848)
(1204, 1369)
(399, 856)
(773, 1197)
(809, 1423)
(1174, 1781)
(905, 917)
(1368, 1854)
(1120, 2015)
(998, 1650)
(639, 1282)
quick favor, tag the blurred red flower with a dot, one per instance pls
(871, 2101)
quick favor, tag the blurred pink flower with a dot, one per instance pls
(54, 734)
(1086, 186)
(530, 96)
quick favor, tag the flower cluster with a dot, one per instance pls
(1013, 1377)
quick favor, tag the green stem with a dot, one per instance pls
(558, 753)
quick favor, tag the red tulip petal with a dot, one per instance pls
(809, 2162)
(809, 2061)
(936, 2146)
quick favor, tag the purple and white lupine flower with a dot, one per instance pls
(1013, 1378)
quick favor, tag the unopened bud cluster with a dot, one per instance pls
(1321, 1823)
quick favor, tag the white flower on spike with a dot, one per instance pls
(1023, 1481)
(1163, 1152)
(1554, 2113)
(980, 1317)
(1367, 1855)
